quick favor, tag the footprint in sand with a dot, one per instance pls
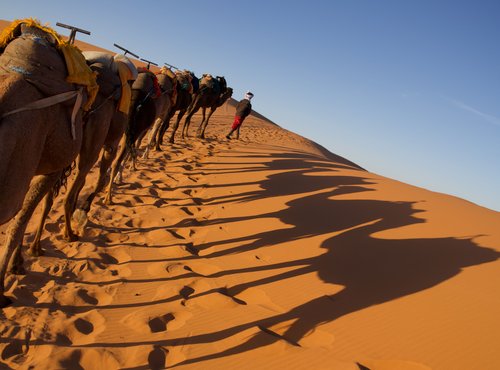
(168, 322)
(182, 233)
(14, 348)
(161, 357)
(162, 269)
(187, 210)
(146, 321)
(97, 270)
(75, 295)
(157, 358)
(84, 328)
(188, 191)
(186, 291)
(115, 255)
(191, 249)
(159, 202)
(152, 191)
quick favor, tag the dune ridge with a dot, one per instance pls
(260, 253)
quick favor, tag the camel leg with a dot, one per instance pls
(185, 128)
(15, 232)
(152, 136)
(84, 167)
(193, 109)
(176, 125)
(204, 124)
(238, 133)
(163, 129)
(114, 169)
(35, 249)
(107, 157)
(198, 132)
(203, 113)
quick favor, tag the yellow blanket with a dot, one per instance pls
(125, 75)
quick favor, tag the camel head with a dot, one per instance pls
(225, 96)
(222, 84)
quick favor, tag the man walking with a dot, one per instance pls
(243, 109)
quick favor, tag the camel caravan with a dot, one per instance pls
(60, 109)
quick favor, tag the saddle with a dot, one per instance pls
(122, 69)
(45, 60)
(184, 80)
(209, 82)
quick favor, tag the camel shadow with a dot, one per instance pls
(372, 270)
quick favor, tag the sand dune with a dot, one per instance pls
(266, 252)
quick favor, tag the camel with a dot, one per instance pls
(164, 104)
(104, 125)
(213, 93)
(43, 137)
(144, 109)
(186, 87)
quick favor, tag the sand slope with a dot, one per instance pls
(262, 253)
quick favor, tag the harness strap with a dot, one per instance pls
(53, 100)
(88, 113)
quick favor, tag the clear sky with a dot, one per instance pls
(408, 89)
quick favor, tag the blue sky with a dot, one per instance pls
(406, 89)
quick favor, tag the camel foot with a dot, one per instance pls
(35, 251)
(18, 269)
(158, 149)
(4, 301)
(15, 266)
(70, 237)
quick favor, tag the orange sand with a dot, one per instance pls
(262, 253)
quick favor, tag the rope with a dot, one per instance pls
(53, 100)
